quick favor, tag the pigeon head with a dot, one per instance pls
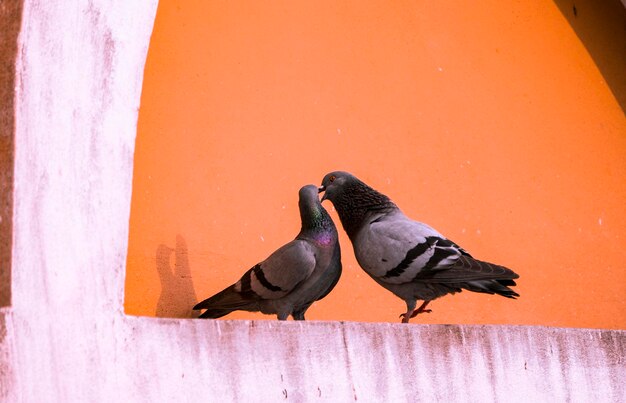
(313, 215)
(334, 184)
(308, 196)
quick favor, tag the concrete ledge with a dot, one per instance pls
(266, 361)
(146, 359)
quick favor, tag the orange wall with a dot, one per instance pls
(487, 120)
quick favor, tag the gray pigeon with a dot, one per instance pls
(408, 258)
(294, 276)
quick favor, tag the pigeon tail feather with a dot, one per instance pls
(224, 302)
(491, 287)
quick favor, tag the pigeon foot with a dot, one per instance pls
(422, 309)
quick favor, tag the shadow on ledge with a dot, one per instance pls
(178, 295)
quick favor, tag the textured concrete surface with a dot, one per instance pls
(65, 336)
(142, 359)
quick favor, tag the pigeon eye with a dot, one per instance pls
(332, 178)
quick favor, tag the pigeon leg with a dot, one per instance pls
(298, 315)
(405, 317)
(410, 308)
(412, 312)
(421, 309)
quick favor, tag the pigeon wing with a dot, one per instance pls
(398, 249)
(402, 251)
(280, 273)
(467, 268)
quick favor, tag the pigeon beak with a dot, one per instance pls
(320, 190)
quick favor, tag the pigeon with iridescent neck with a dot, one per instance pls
(292, 278)
(407, 257)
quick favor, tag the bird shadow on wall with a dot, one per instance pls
(178, 295)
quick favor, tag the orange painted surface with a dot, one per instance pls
(486, 120)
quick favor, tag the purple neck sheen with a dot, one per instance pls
(324, 238)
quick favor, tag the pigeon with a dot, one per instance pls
(293, 277)
(408, 258)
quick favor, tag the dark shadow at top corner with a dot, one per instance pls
(601, 27)
(178, 295)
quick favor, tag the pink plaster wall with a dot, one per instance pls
(65, 338)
